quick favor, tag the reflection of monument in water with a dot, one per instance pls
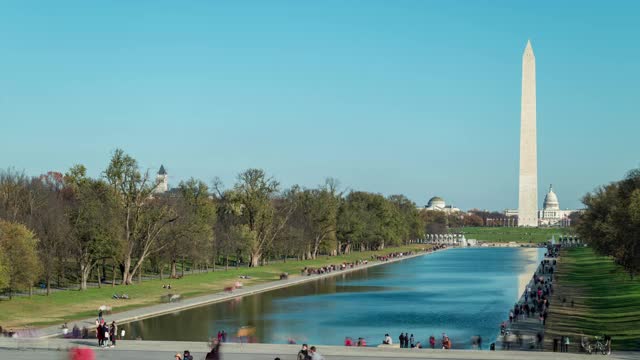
(528, 213)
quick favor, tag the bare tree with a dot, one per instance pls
(144, 217)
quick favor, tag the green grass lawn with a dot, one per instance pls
(508, 234)
(607, 300)
(74, 304)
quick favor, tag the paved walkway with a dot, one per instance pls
(527, 327)
(155, 310)
(142, 350)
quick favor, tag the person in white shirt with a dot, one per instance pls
(315, 355)
(387, 339)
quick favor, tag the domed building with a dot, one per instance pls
(437, 203)
(551, 200)
(551, 214)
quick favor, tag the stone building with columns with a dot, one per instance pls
(437, 203)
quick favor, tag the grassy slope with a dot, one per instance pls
(607, 300)
(507, 234)
(68, 305)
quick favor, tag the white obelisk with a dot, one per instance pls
(528, 194)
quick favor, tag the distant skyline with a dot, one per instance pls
(414, 97)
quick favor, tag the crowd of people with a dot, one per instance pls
(408, 341)
(533, 304)
(308, 271)
(349, 342)
(106, 333)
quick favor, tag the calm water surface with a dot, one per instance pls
(462, 292)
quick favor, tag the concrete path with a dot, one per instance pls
(142, 350)
(155, 310)
(527, 327)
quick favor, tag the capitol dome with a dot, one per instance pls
(436, 202)
(551, 200)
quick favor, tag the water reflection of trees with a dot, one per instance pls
(275, 314)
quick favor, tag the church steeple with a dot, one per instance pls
(162, 181)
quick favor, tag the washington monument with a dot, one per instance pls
(528, 194)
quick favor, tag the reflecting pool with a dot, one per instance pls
(463, 292)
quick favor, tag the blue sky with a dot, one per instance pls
(413, 97)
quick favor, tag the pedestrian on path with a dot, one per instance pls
(99, 335)
(214, 354)
(303, 354)
(113, 332)
(315, 355)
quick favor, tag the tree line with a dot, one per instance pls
(73, 226)
(610, 223)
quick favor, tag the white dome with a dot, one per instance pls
(551, 200)
(436, 202)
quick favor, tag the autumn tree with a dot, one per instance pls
(435, 221)
(472, 220)
(4, 271)
(19, 249)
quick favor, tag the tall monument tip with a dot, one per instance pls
(528, 49)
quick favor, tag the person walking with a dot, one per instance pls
(107, 336)
(214, 354)
(315, 355)
(432, 341)
(99, 334)
(412, 341)
(113, 332)
(303, 354)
